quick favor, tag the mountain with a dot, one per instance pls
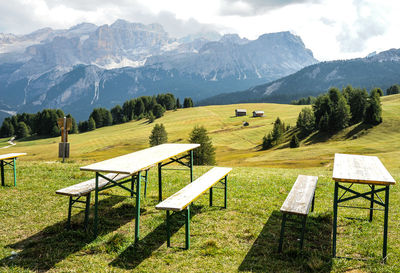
(89, 65)
(376, 70)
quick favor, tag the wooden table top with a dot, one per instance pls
(360, 169)
(11, 155)
(140, 160)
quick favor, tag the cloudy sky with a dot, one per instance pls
(332, 29)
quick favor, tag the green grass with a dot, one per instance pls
(242, 238)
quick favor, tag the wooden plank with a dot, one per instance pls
(11, 155)
(84, 188)
(300, 196)
(194, 190)
(360, 169)
(140, 160)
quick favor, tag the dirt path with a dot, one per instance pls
(11, 142)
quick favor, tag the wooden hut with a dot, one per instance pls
(258, 114)
(240, 112)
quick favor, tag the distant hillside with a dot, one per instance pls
(380, 70)
(236, 145)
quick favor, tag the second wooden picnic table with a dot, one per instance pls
(133, 163)
(367, 170)
(9, 159)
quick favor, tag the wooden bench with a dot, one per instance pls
(298, 202)
(83, 189)
(183, 198)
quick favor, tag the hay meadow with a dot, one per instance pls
(242, 238)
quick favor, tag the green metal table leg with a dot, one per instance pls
(2, 172)
(159, 183)
(69, 213)
(96, 201)
(226, 193)
(15, 172)
(335, 212)
(282, 232)
(371, 211)
(191, 165)
(87, 210)
(168, 230)
(303, 230)
(188, 227)
(385, 225)
(211, 196)
(137, 221)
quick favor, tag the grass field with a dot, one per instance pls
(242, 238)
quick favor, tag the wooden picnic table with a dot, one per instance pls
(133, 163)
(10, 160)
(367, 170)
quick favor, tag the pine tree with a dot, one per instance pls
(158, 135)
(22, 130)
(373, 113)
(294, 142)
(91, 124)
(205, 154)
(267, 142)
(306, 121)
(158, 110)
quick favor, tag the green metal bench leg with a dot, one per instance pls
(168, 230)
(312, 204)
(96, 201)
(87, 210)
(335, 212)
(137, 220)
(69, 213)
(211, 196)
(15, 172)
(145, 183)
(282, 232)
(191, 166)
(303, 230)
(159, 183)
(2, 172)
(371, 211)
(132, 185)
(385, 225)
(187, 226)
(226, 193)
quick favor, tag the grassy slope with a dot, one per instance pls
(242, 238)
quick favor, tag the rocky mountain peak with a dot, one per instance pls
(233, 39)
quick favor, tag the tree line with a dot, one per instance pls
(150, 107)
(330, 112)
(44, 123)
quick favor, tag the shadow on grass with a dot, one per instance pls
(358, 131)
(134, 255)
(315, 257)
(41, 251)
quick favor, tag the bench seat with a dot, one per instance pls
(182, 199)
(86, 187)
(298, 202)
(194, 190)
